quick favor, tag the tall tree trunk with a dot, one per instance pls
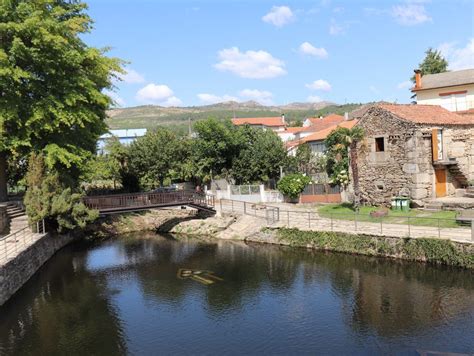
(3, 177)
(355, 174)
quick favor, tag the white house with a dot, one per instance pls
(453, 91)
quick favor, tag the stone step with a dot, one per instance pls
(16, 215)
(433, 206)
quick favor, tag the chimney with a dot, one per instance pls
(283, 119)
(346, 116)
(417, 78)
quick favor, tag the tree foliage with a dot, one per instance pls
(433, 63)
(47, 198)
(337, 145)
(261, 155)
(153, 157)
(214, 148)
(51, 84)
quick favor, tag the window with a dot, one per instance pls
(379, 144)
(318, 147)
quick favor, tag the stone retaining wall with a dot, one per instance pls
(15, 273)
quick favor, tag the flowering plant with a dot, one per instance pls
(292, 185)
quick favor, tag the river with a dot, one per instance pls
(151, 294)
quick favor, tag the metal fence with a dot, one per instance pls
(244, 189)
(396, 226)
(321, 189)
(12, 244)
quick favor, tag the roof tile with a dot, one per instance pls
(265, 121)
(427, 114)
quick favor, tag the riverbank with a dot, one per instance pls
(254, 229)
(17, 271)
(435, 251)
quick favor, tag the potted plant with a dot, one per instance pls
(292, 185)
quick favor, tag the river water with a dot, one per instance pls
(150, 294)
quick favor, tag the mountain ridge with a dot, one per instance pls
(178, 118)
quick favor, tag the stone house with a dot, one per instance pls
(423, 151)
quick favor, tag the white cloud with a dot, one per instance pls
(410, 14)
(250, 64)
(214, 99)
(405, 85)
(261, 96)
(338, 9)
(309, 49)
(132, 77)
(458, 58)
(335, 29)
(319, 84)
(279, 16)
(158, 94)
(117, 99)
(314, 99)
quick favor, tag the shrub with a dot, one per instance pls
(292, 185)
(47, 198)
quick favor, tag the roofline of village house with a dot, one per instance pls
(414, 89)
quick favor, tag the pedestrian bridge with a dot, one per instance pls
(121, 203)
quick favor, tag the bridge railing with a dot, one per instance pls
(117, 201)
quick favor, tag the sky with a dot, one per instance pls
(184, 53)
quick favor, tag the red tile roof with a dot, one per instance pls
(294, 129)
(427, 114)
(334, 118)
(264, 121)
(321, 135)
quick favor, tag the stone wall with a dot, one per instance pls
(459, 144)
(383, 175)
(406, 165)
(3, 218)
(15, 273)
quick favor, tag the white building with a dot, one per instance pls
(125, 136)
(453, 91)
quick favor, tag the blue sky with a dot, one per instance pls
(201, 52)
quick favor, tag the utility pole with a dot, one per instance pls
(189, 127)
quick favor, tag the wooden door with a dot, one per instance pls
(440, 182)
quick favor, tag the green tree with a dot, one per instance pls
(260, 157)
(303, 157)
(153, 156)
(339, 143)
(433, 63)
(214, 148)
(51, 85)
(48, 198)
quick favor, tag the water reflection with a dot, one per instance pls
(123, 296)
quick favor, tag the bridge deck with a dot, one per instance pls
(119, 203)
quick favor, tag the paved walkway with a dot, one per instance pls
(304, 219)
(20, 238)
(12, 245)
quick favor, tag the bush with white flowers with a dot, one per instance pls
(292, 185)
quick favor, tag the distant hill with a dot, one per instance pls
(177, 118)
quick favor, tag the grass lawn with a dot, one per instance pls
(416, 217)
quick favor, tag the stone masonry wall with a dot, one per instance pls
(383, 175)
(406, 165)
(459, 144)
(15, 273)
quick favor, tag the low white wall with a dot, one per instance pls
(263, 196)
